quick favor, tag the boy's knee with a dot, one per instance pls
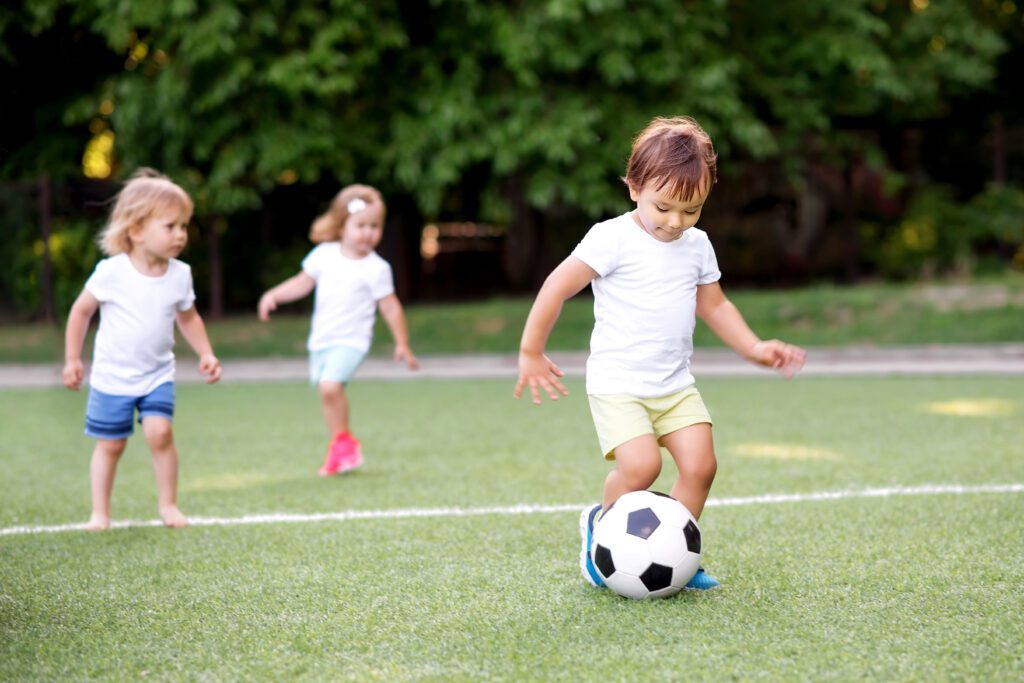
(701, 469)
(640, 474)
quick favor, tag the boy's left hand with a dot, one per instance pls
(403, 352)
(785, 358)
(210, 367)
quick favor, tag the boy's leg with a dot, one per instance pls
(693, 450)
(160, 437)
(637, 465)
(105, 457)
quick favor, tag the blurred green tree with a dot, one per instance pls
(528, 107)
(543, 97)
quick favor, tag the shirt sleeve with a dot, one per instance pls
(709, 271)
(384, 283)
(312, 265)
(98, 283)
(599, 248)
(188, 298)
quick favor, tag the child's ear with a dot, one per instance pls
(634, 193)
(134, 233)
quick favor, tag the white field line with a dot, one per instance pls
(349, 515)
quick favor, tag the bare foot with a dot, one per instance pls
(172, 517)
(98, 522)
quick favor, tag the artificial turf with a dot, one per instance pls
(923, 587)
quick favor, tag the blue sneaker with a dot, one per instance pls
(587, 518)
(702, 581)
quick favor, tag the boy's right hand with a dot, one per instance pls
(266, 305)
(536, 369)
(72, 374)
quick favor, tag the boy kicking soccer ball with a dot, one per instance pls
(652, 272)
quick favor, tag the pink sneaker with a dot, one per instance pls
(337, 453)
(354, 456)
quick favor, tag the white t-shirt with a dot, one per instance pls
(132, 355)
(645, 305)
(347, 292)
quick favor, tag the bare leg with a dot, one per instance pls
(693, 450)
(160, 438)
(101, 470)
(335, 406)
(637, 465)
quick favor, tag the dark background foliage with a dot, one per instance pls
(867, 138)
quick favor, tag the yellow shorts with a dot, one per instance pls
(621, 417)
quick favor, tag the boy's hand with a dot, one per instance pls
(266, 305)
(72, 374)
(785, 358)
(403, 352)
(536, 369)
(210, 367)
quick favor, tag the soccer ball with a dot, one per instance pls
(646, 545)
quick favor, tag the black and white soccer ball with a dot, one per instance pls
(646, 545)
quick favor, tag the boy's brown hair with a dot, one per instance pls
(328, 227)
(675, 152)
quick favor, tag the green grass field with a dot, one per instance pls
(921, 587)
(876, 314)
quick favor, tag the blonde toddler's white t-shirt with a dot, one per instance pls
(347, 292)
(133, 353)
(645, 305)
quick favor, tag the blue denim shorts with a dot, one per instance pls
(110, 417)
(334, 364)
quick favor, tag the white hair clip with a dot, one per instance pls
(356, 205)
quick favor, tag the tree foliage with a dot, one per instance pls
(525, 106)
(239, 95)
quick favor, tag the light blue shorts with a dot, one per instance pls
(110, 417)
(334, 364)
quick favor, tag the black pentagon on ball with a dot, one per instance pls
(656, 577)
(603, 560)
(642, 523)
(692, 534)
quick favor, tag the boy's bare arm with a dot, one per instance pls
(726, 321)
(194, 330)
(292, 289)
(394, 315)
(535, 369)
(81, 313)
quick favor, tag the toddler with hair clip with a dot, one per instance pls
(352, 282)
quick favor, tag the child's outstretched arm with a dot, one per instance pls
(292, 289)
(726, 321)
(391, 310)
(74, 337)
(536, 369)
(194, 330)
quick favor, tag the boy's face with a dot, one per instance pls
(664, 216)
(363, 230)
(163, 234)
